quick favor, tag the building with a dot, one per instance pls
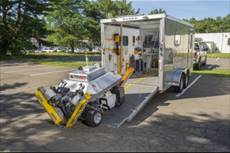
(217, 42)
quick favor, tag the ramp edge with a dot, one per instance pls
(137, 109)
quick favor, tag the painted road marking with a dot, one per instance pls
(190, 85)
(11, 64)
(37, 74)
(34, 69)
(7, 67)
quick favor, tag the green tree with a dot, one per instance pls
(72, 21)
(123, 7)
(157, 11)
(219, 24)
(93, 11)
(19, 21)
(66, 23)
(115, 8)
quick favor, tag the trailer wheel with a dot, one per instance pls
(205, 61)
(93, 118)
(179, 88)
(199, 64)
(186, 80)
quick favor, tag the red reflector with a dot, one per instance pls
(82, 77)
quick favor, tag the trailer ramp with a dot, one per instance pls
(138, 92)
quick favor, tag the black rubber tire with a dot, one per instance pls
(186, 81)
(199, 65)
(195, 66)
(89, 118)
(205, 61)
(180, 88)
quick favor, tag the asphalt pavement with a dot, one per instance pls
(197, 120)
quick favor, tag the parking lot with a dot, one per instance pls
(197, 120)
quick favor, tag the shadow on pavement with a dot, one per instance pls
(12, 86)
(72, 59)
(210, 67)
(186, 134)
(207, 86)
(24, 126)
(29, 131)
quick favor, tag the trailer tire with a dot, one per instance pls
(93, 118)
(181, 85)
(186, 80)
(205, 61)
(197, 66)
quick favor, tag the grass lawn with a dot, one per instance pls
(46, 55)
(219, 55)
(216, 72)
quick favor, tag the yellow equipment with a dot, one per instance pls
(127, 75)
(78, 110)
(49, 109)
(87, 93)
(54, 114)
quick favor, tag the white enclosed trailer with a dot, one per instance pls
(159, 47)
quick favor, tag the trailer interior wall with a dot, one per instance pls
(220, 42)
(109, 58)
(140, 34)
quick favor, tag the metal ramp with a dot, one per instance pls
(138, 92)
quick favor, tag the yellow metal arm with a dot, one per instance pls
(127, 75)
(78, 110)
(49, 109)
(57, 119)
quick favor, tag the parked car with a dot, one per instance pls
(38, 50)
(83, 49)
(199, 55)
(47, 49)
(96, 49)
(76, 50)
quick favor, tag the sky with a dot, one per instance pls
(184, 9)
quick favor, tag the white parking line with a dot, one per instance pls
(37, 74)
(7, 67)
(11, 64)
(34, 69)
(190, 85)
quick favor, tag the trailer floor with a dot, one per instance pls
(138, 91)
